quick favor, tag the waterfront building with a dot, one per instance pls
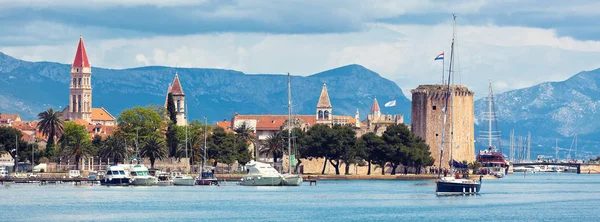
(377, 122)
(176, 91)
(9, 119)
(80, 92)
(428, 102)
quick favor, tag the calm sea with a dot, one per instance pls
(538, 197)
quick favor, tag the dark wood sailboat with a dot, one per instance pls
(453, 185)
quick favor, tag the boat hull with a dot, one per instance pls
(164, 183)
(206, 182)
(115, 182)
(291, 180)
(144, 181)
(252, 180)
(456, 187)
(184, 182)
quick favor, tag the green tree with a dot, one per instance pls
(10, 138)
(138, 124)
(273, 146)
(172, 140)
(246, 133)
(420, 154)
(374, 147)
(154, 148)
(343, 148)
(97, 142)
(298, 147)
(316, 143)
(114, 148)
(221, 146)
(75, 142)
(52, 126)
(397, 139)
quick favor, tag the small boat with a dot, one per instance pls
(290, 179)
(3, 171)
(140, 176)
(164, 179)
(207, 178)
(453, 185)
(115, 176)
(261, 174)
(182, 180)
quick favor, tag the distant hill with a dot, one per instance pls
(28, 88)
(550, 111)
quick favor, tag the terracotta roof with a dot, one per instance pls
(175, 88)
(324, 98)
(13, 117)
(375, 106)
(274, 122)
(350, 119)
(23, 126)
(100, 114)
(81, 59)
(81, 122)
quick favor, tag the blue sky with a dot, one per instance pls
(515, 43)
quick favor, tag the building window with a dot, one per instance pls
(79, 81)
(434, 108)
(326, 115)
(74, 81)
(320, 114)
(178, 106)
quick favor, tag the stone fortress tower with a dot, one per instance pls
(428, 102)
(324, 108)
(80, 91)
(179, 99)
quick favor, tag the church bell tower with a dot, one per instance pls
(80, 91)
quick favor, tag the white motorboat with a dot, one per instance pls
(140, 176)
(182, 180)
(115, 176)
(164, 179)
(261, 174)
(291, 180)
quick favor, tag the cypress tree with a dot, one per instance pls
(172, 140)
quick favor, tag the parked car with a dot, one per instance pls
(74, 174)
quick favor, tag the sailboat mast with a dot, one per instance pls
(490, 114)
(186, 136)
(204, 155)
(453, 88)
(289, 125)
(446, 104)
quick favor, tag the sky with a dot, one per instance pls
(515, 43)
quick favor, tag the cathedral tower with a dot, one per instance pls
(375, 110)
(428, 102)
(179, 100)
(324, 108)
(80, 92)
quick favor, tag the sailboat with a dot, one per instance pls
(206, 177)
(178, 178)
(452, 185)
(492, 161)
(290, 179)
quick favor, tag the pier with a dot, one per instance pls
(585, 168)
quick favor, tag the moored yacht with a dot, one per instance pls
(182, 180)
(115, 176)
(261, 174)
(164, 179)
(140, 176)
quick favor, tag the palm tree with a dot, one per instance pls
(154, 149)
(114, 147)
(50, 125)
(246, 133)
(75, 142)
(273, 145)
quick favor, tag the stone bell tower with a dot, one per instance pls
(179, 100)
(324, 108)
(80, 92)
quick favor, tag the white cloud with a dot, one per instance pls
(513, 57)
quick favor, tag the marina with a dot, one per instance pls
(545, 194)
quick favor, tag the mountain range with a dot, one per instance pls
(28, 88)
(550, 111)
(553, 112)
